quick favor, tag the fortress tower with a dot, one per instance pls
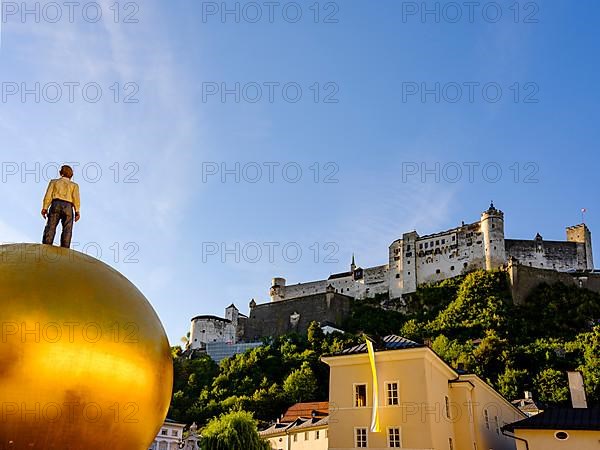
(277, 291)
(582, 235)
(492, 227)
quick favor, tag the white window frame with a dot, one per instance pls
(366, 385)
(389, 441)
(356, 436)
(386, 384)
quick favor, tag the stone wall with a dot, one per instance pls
(295, 315)
(525, 279)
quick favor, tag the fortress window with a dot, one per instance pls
(408, 262)
(407, 248)
(426, 244)
(465, 265)
(397, 275)
(493, 226)
(437, 271)
(443, 241)
(409, 273)
(437, 242)
(451, 267)
(453, 238)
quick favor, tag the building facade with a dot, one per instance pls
(558, 429)
(422, 403)
(414, 260)
(169, 436)
(304, 426)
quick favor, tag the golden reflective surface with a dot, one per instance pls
(84, 360)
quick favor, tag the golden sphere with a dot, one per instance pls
(85, 363)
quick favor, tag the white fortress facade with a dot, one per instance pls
(414, 260)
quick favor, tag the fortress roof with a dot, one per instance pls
(209, 317)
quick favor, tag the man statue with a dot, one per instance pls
(62, 197)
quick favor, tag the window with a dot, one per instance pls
(360, 395)
(561, 435)
(394, 438)
(317, 434)
(164, 432)
(451, 267)
(421, 246)
(450, 444)
(306, 435)
(360, 437)
(397, 275)
(497, 425)
(486, 418)
(296, 437)
(174, 433)
(437, 242)
(447, 403)
(437, 271)
(392, 393)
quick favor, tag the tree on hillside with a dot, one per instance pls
(301, 384)
(232, 431)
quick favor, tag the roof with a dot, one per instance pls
(527, 405)
(560, 419)
(391, 342)
(306, 410)
(340, 275)
(298, 425)
(210, 317)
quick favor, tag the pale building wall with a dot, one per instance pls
(491, 412)
(207, 329)
(168, 437)
(433, 406)
(545, 440)
(305, 440)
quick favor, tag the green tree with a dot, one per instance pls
(236, 430)
(551, 386)
(511, 383)
(301, 384)
(315, 335)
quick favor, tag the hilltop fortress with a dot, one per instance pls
(414, 260)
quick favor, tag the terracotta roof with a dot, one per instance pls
(560, 419)
(305, 410)
(391, 342)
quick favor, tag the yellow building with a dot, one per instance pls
(412, 400)
(302, 434)
(558, 429)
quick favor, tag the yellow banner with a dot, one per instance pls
(375, 428)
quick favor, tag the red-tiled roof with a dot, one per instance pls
(305, 410)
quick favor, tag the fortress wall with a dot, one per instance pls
(525, 279)
(556, 255)
(273, 319)
(301, 289)
(452, 254)
(211, 330)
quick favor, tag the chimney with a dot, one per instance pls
(577, 388)
(528, 395)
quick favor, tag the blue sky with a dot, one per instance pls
(368, 139)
